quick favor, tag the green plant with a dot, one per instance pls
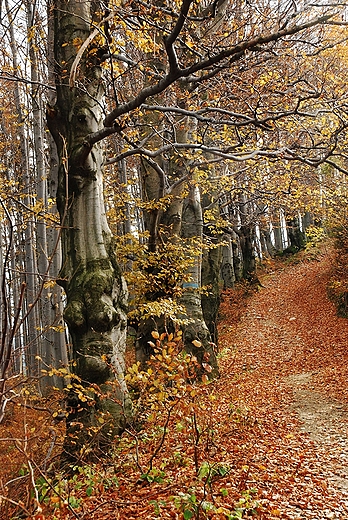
(190, 506)
(62, 492)
(157, 506)
(209, 471)
(247, 505)
(154, 475)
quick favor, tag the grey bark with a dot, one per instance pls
(278, 240)
(211, 282)
(192, 227)
(32, 349)
(227, 267)
(95, 289)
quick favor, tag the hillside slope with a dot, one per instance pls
(267, 440)
(291, 354)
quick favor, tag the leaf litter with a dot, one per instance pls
(292, 348)
(274, 430)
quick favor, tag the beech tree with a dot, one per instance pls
(94, 40)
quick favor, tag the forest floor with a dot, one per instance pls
(292, 348)
(274, 435)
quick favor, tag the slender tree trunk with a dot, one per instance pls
(30, 268)
(211, 281)
(211, 273)
(278, 239)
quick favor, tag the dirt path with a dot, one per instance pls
(291, 358)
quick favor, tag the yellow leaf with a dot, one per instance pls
(275, 512)
(197, 343)
(155, 334)
(49, 283)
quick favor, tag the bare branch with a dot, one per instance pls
(175, 73)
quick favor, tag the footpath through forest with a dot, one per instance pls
(289, 362)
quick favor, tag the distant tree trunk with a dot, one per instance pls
(95, 289)
(192, 227)
(32, 350)
(307, 220)
(246, 238)
(227, 268)
(246, 234)
(278, 240)
(237, 257)
(52, 347)
(211, 281)
(165, 227)
(211, 271)
(296, 235)
(269, 246)
(153, 191)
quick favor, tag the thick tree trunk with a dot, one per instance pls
(296, 235)
(95, 289)
(192, 227)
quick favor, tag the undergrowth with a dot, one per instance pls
(170, 451)
(338, 285)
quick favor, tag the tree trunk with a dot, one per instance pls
(95, 289)
(210, 298)
(277, 231)
(211, 271)
(237, 257)
(227, 268)
(196, 329)
(296, 235)
(248, 251)
(32, 324)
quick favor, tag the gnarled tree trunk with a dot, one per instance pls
(96, 292)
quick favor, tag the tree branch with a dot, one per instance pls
(175, 73)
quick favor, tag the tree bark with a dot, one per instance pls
(227, 267)
(296, 235)
(32, 324)
(95, 289)
(196, 329)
